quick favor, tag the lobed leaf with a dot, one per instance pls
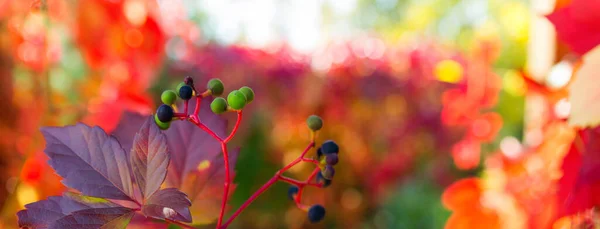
(190, 145)
(168, 203)
(149, 158)
(196, 167)
(44, 213)
(89, 160)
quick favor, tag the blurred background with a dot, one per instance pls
(418, 94)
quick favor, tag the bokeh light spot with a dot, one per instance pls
(448, 71)
(26, 194)
(135, 11)
(511, 147)
(134, 38)
(351, 199)
(204, 165)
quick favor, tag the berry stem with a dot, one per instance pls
(197, 108)
(205, 128)
(310, 160)
(180, 115)
(183, 225)
(262, 189)
(291, 181)
(235, 128)
(278, 176)
(227, 182)
(185, 106)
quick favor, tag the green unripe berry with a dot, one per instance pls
(219, 105)
(236, 100)
(161, 125)
(168, 97)
(215, 86)
(179, 87)
(248, 92)
(314, 122)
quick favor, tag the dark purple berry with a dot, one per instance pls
(164, 113)
(188, 80)
(186, 92)
(331, 159)
(319, 153)
(292, 191)
(325, 182)
(330, 147)
(316, 213)
(328, 172)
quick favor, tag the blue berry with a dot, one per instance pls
(164, 113)
(186, 92)
(292, 191)
(328, 172)
(161, 125)
(331, 159)
(321, 179)
(319, 153)
(316, 213)
(330, 147)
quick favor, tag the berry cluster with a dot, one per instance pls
(327, 157)
(236, 100)
(326, 154)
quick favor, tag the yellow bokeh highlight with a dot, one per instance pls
(514, 18)
(513, 83)
(419, 16)
(448, 71)
(203, 165)
(26, 194)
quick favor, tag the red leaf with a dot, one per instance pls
(168, 203)
(89, 160)
(149, 158)
(578, 24)
(44, 213)
(579, 186)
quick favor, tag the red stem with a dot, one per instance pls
(250, 200)
(227, 182)
(206, 129)
(311, 161)
(291, 181)
(235, 128)
(195, 119)
(197, 108)
(274, 179)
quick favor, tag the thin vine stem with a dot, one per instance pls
(195, 119)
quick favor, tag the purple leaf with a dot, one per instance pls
(190, 145)
(168, 203)
(149, 158)
(125, 131)
(89, 160)
(95, 218)
(197, 166)
(204, 186)
(42, 213)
